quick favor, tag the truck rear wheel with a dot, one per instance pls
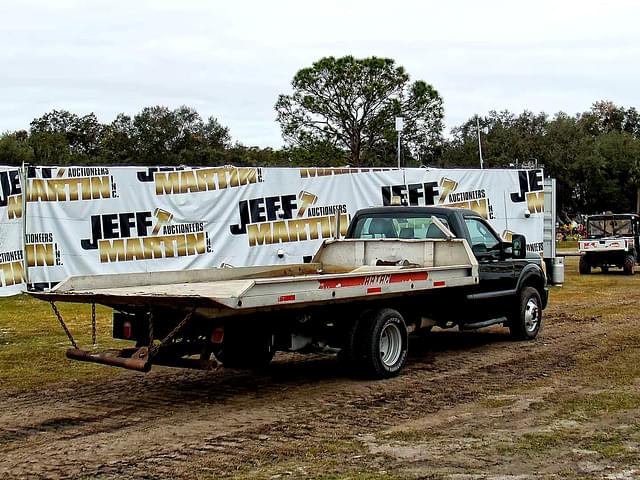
(629, 265)
(526, 320)
(382, 344)
(584, 266)
(349, 356)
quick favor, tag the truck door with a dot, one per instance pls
(497, 273)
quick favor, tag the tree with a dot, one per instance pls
(564, 143)
(506, 139)
(594, 156)
(351, 103)
(118, 142)
(164, 136)
(606, 173)
(82, 134)
(155, 136)
(316, 154)
(14, 148)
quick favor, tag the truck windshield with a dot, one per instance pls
(607, 227)
(396, 226)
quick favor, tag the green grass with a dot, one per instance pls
(607, 444)
(540, 442)
(590, 405)
(326, 459)
(497, 402)
(33, 344)
(597, 295)
(310, 474)
(567, 244)
(361, 476)
(410, 436)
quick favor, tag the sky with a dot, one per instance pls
(232, 59)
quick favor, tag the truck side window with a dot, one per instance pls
(376, 227)
(482, 238)
(404, 227)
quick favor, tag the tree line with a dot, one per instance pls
(341, 111)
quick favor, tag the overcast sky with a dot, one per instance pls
(231, 59)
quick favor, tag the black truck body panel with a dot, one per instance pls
(502, 277)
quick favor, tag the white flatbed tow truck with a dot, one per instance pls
(400, 269)
(244, 314)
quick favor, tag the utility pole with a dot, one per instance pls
(479, 143)
(399, 127)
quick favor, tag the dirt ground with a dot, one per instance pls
(467, 406)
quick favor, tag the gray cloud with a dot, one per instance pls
(232, 60)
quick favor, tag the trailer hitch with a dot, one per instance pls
(108, 358)
(138, 359)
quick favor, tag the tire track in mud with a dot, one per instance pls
(159, 424)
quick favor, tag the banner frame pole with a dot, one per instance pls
(25, 263)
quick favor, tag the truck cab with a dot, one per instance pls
(508, 274)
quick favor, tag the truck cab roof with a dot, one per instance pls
(409, 211)
(409, 222)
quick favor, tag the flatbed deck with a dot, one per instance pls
(343, 270)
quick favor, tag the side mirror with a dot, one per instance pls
(518, 246)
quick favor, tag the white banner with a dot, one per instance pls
(512, 200)
(12, 271)
(95, 220)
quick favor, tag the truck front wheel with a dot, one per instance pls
(382, 344)
(525, 321)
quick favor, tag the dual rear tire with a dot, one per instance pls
(377, 344)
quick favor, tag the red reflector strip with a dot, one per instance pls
(286, 298)
(382, 279)
(439, 283)
(374, 290)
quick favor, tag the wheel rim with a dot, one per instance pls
(531, 315)
(390, 344)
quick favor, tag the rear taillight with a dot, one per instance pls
(127, 331)
(218, 335)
